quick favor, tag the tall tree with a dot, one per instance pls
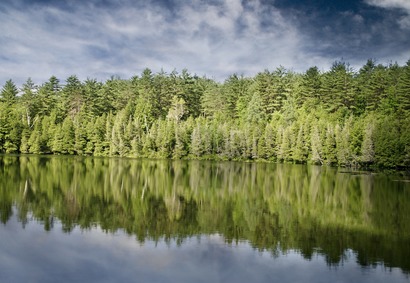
(338, 88)
(9, 93)
(311, 88)
(48, 96)
(367, 151)
(316, 146)
(403, 88)
(29, 101)
(73, 96)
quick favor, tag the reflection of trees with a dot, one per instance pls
(274, 207)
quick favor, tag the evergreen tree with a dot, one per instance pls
(300, 151)
(180, 149)
(311, 88)
(98, 137)
(72, 96)
(343, 148)
(9, 93)
(285, 151)
(81, 132)
(24, 146)
(57, 145)
(403, 88)
(338, 88)
(29, 101)
(177, 109)
(94, 102)
(316, 146)
(269, 147)
(197, 149)
(68, 135)
(405, 141)
(254, 112)
(388, 146)
(329, 148)
(367, 152)
(233, 92)
(35, 143)
(48, 96)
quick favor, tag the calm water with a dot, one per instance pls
(69, 219)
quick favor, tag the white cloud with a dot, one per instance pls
(94, 41)
(404, 5)
(215, 38)
(401, 4)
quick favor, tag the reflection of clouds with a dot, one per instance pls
(33, 255)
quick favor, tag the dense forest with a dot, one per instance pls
(338, 117)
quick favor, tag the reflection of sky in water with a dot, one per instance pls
(32, 255)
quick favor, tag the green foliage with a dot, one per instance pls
(337, 117)
(388, 146)
(9, 93)
(403, 88)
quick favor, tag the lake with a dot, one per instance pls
(75, 219)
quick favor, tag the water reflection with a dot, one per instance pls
(95, 256)
(314, 212)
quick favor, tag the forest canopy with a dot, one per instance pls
(338, 117)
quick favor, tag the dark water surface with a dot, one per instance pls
(71, 219)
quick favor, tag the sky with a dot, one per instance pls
(217, 38)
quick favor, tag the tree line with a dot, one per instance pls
(338, 117)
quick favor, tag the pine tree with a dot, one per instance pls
(270, 148)
(98, 136)
(180, 150)
(58, 141)
(68, 135)
(93, 102)
(35, 143)
(285, 151)
(311, 88)
(300, 151)
(80, 130)
(338, 88)
(329, 148)
(196, 142)
(47, 97)
(72, 96)
(90, 145)
(405, 141)
(177, 109)
(9, 92)
(343, 149)
(403, 88)
(316, 146)
(165, 138)
(254, 112)
(24, 146)
(29, 101)
(234, 89)
(367, 152)
(388, 146)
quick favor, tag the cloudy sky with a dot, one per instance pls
(102, 38)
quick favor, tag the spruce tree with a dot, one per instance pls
(403, 88)
(316, 146)
(367, 151)
(9, 92)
